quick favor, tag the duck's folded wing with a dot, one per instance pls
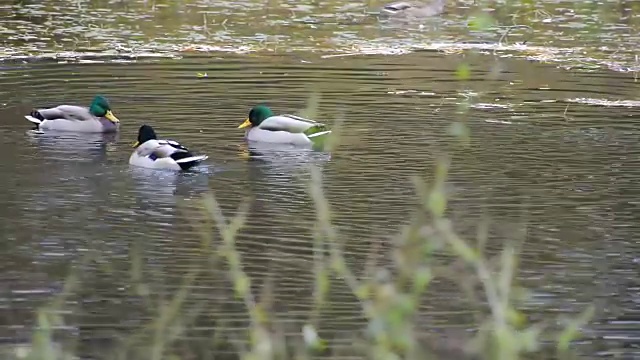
(169, 147)
(69, 112)
(150, 147)
(175, 145)
(290, 123)
(51, 113)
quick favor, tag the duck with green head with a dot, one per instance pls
(263, 126)
(97, 118)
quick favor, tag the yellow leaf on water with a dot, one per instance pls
(463, 72)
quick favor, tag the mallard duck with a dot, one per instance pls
(413, 9)
(264, 126)
(97, 118)
(161, 154)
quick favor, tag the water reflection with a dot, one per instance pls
(281, 171)
(165, 187)
(70, 146)
(282, 155)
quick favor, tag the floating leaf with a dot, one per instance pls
(463, 72)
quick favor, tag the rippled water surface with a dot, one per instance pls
(553, 149)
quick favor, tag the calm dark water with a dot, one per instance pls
(74, 204)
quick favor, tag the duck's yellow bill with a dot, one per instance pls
(135, 144)
(245, 124)
(109, 115)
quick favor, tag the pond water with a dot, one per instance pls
(553, 148)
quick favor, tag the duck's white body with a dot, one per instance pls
(284, 129)
(163, 154)
(72, 118)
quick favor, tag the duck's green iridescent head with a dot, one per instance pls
(100, 108)
(256, 116)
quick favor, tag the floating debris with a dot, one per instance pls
(603, 102)
(488, 106)
(496, 121)
(411, 92)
